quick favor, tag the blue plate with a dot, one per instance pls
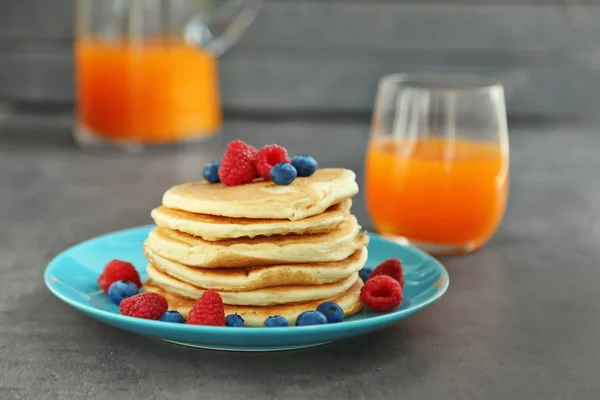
(72, 276)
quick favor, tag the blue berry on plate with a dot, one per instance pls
(276, 321)
(211, 172)
(172, 316)
(234, 320)
(283, 173)
(310, 318)
(333, 312)
(365, 273)
(305, 165)
(120, 290)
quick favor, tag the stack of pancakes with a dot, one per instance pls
(266, 249)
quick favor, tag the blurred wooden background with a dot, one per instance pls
(325, 56)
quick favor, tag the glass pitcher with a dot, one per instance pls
(146, 70)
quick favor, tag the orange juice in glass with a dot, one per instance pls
(437, 162)
(146, 70)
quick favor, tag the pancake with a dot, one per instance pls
(184, 248)
(244, 279)
(212, 228)
(262, 199)
(259, 297)
(255, 316)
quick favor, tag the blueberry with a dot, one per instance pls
(234, 320)
(276, 321)
(365, 273)
(311, 318)
(120, 290)
(211, 172)
(305, 165)
(283, 173)
(172, 316)
(331, 311)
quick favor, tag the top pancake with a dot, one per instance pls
(214, 228)
(261, 199)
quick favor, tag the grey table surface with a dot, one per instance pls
(521, 319)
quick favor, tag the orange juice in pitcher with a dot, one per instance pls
(160, 92)
(146, 71)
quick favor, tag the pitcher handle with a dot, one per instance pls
(235, 17)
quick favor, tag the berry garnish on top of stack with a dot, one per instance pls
(211, 172)
(242, 163)
(283, 174)
(268, 157)
(305, 165)
(238, 165)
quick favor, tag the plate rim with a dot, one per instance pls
(380, 319)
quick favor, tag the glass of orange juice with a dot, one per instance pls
(146, 70)
(437, 164)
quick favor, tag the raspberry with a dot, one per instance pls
(118, 270)
(207, 310)
(392, 268)
(381, 293)
(268, 157)
(238, 165)
(144, 305)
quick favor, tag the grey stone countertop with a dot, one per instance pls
(521, 319)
